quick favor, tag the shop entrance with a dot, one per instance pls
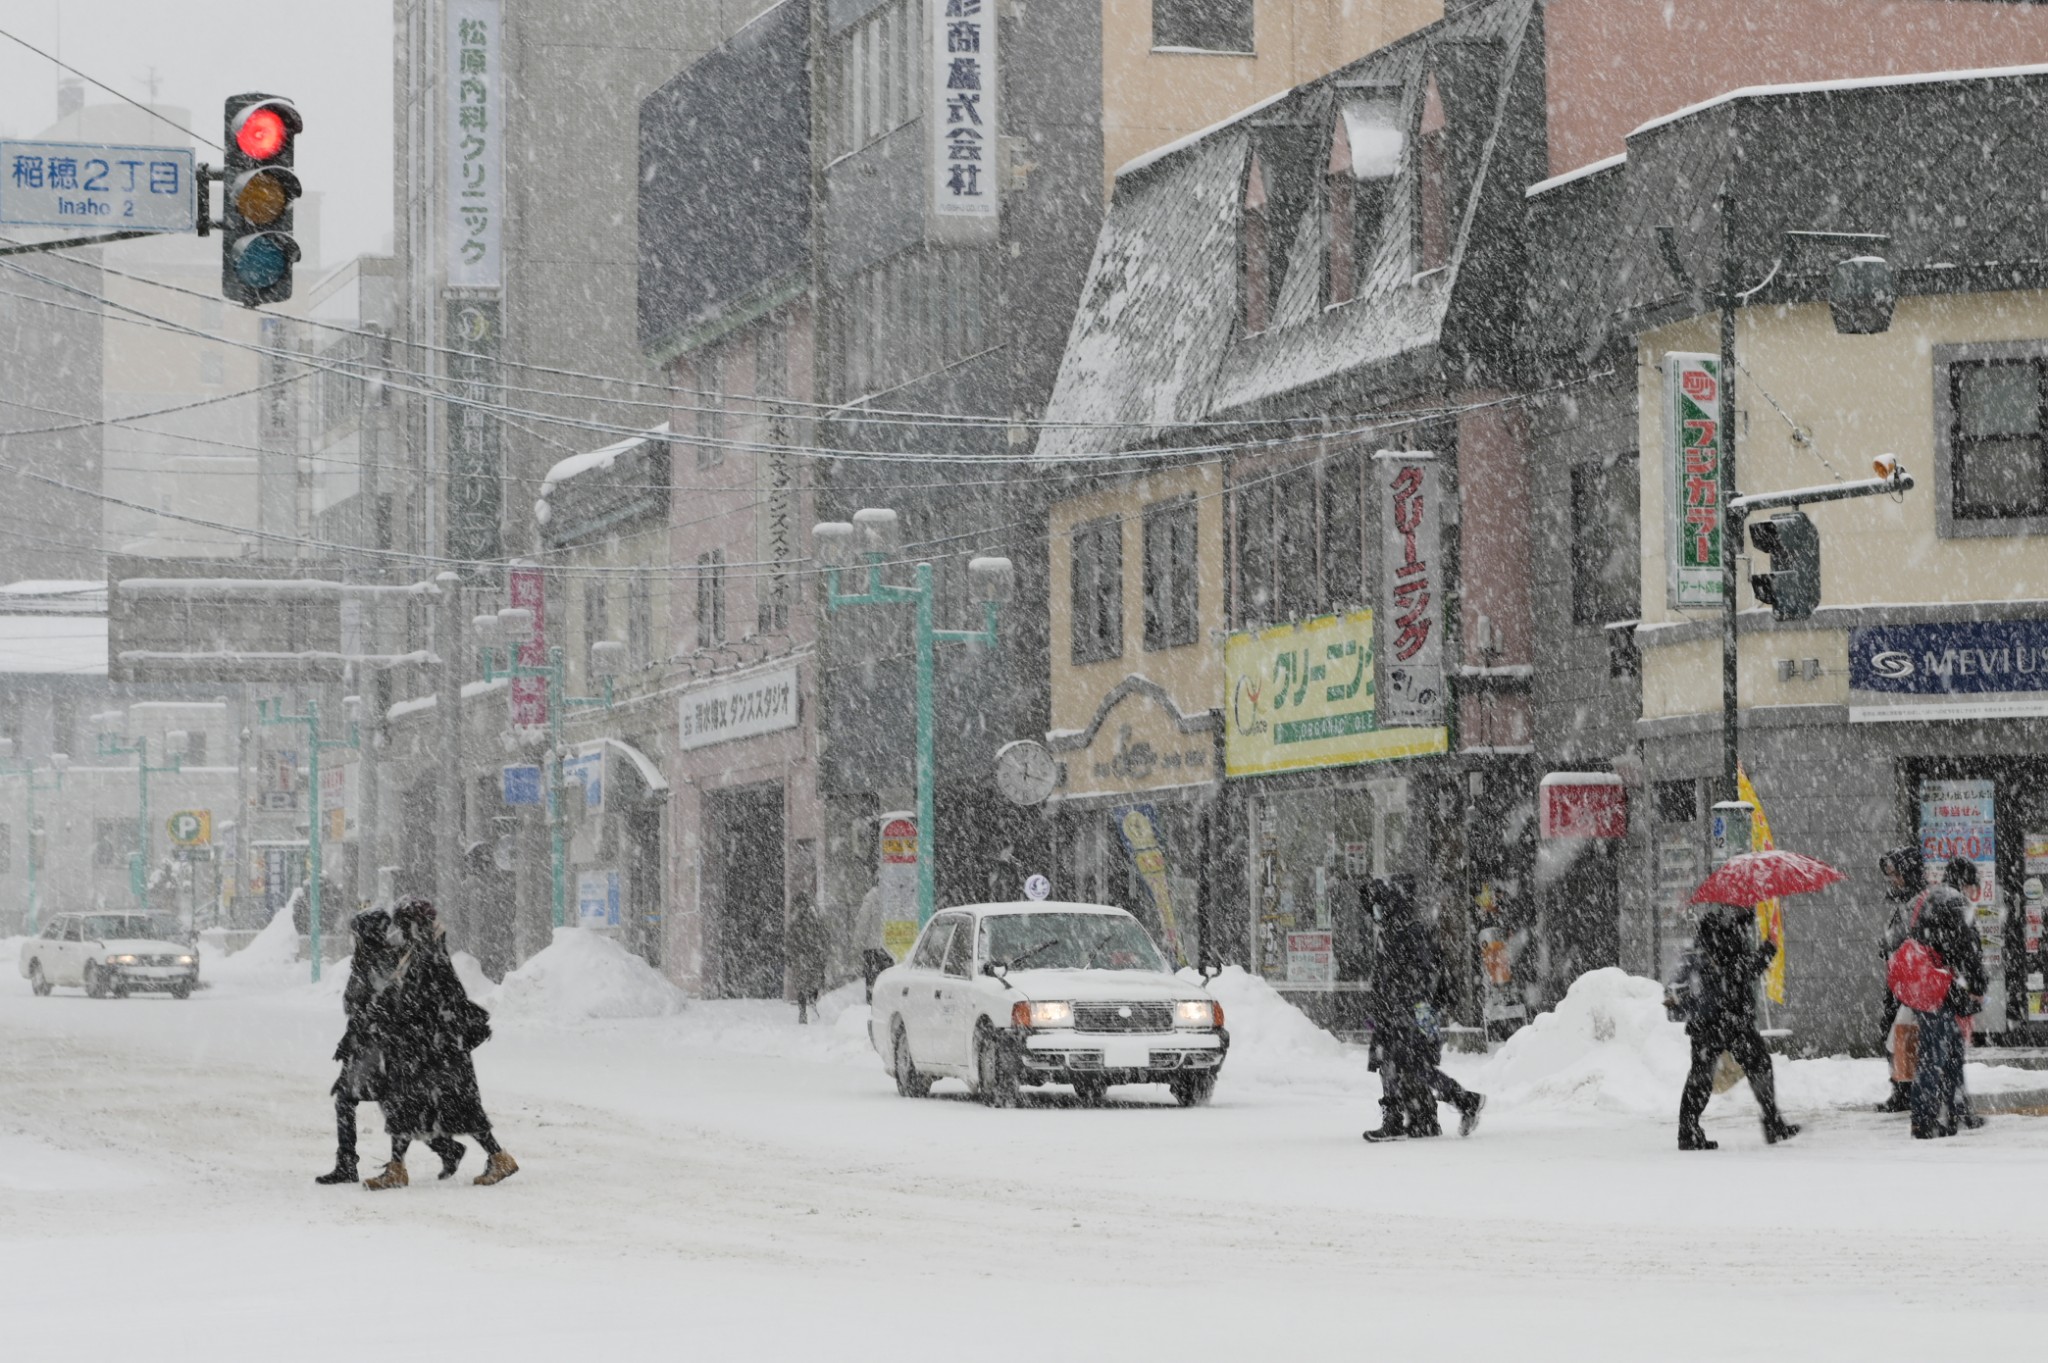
(744, 830)
(1994, 811)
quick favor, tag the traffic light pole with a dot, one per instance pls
(272, 713)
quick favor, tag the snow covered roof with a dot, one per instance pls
(55, 595)
(1845, 84)
(53, 645)
(603, 458)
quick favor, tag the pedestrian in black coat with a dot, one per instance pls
(361, 1050)
(430, 1026)
(1721, 1016)
(1905, 873)
(1938, 1102)
(1408, 991)
(810, 949)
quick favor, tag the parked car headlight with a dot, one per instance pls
(1204, 1014)
(187, 960)
(120, 960)
(1054, 1014)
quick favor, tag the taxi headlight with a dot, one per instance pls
(120, 960)
(186, 960)
(1054, 1014)
(1200, 1014)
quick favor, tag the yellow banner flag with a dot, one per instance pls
(1770, 915)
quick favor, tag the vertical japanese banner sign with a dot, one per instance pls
(1139, 825)
(1692, 477)
(896, 882)
(473, 171)
(1411, 672)
(475, 459)
(964, 92)
(1770, 915)
(775, 524)
(530, 694)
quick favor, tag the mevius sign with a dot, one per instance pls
(1976, 669)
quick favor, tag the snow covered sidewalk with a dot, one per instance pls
(710, 1180)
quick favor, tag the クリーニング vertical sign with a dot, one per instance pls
(1692, 473)
(1411, 608)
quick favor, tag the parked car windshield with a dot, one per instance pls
(1068, 941)
(158, 927)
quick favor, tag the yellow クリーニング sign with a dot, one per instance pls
(1304, 696)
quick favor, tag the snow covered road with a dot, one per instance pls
(721, 1184)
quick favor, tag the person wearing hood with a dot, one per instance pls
(1407, 990)
(430, 1026)
(810, 953)
(1721, 1016)
(1939, 1104)
(1905, 873)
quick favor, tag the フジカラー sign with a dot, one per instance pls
(1411, 682)
(1304, 696)
(741, 708)
(964, 92)
(1692, 474)
(97, 185)
(1976, 669)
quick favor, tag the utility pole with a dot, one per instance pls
(1731, 519)
(448, 821)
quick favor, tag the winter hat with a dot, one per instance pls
(1960, 873)
(1906, 862)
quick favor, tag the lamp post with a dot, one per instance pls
(31, 788)
(174, 745)
(513, 626)
(994, 580)
(272, 712)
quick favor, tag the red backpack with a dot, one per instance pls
(1917, 976)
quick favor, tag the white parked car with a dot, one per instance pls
(111, 954)
(1005, 995)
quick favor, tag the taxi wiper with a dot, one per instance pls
(1029, 952)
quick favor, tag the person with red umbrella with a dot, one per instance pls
(1721, 1003)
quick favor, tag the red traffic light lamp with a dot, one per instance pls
(258, 188)
(261, 130)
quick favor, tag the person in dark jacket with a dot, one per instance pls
(361, 1050)
(1939, 1104)
(810, 950)
(1407, 990)
(1721, 1016)
(430, 1026)
(1905, 873)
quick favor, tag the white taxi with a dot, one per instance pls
(1012, 995)
(111, 954)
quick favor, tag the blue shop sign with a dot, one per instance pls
(1972, 658)
(522, 785)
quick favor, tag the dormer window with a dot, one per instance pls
(1256, 238)
(1365, 154)
(1433, 216)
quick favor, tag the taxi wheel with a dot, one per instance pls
(38, 982)
(1090, 1092)
(1193, 1090)
(181, 990)
(995, 1071)
(909, 1083)
(95, 982)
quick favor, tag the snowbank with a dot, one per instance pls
(583, 974)
(270, 961)
(1607, 1045)
(470, 971)
(1273, 1042)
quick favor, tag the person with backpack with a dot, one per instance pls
(1408, 989)
(1938, 972)
(1719, 1003)
(1905, 873)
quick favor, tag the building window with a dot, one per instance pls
(710, 404)
(63, 723)
(711, 599)
(597, 623)
(113, 840)
(876, 69)
(1172, 580)
(1203, 26)
(1365, 154)
(1343, 537)
(195, 748)
(909, 315)
(1998, 439)
(1255, 240)
(1098, 590)
(640, 621)
(1606, 577)
(1300, 542)
(1433, 215)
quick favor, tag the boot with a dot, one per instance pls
(451, 1152)
(1386, 1133)
(501, 1167)
(1468, 1113)
(1778, 1129)
(1901, 1099)
(392, 1177)
(344, 1171)
(1695, 1139)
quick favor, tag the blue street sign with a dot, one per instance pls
(522, 785)
(97, 185)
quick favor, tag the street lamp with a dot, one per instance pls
(270, 712)
(174, 748)
(32, 788)
(872, 536)
(511, 628)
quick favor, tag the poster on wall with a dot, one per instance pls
(1411, 674)
(1692, 481)
(2032, 894)
(1958, 818)
(1139, 827)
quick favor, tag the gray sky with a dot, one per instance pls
(333, 57)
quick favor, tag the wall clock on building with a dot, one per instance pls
(1025, 772)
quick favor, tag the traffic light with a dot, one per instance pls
(257, 188)
(1792, 588)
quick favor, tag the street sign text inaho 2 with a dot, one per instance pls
(97, 184)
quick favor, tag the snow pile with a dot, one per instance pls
(1272, 1041)
(270, 960)
(584, 974)
(1607, 1045)
(470, 971)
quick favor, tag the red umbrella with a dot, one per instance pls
(1748, 879)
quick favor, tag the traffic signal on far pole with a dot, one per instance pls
(1792, 588)
(258, 185)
